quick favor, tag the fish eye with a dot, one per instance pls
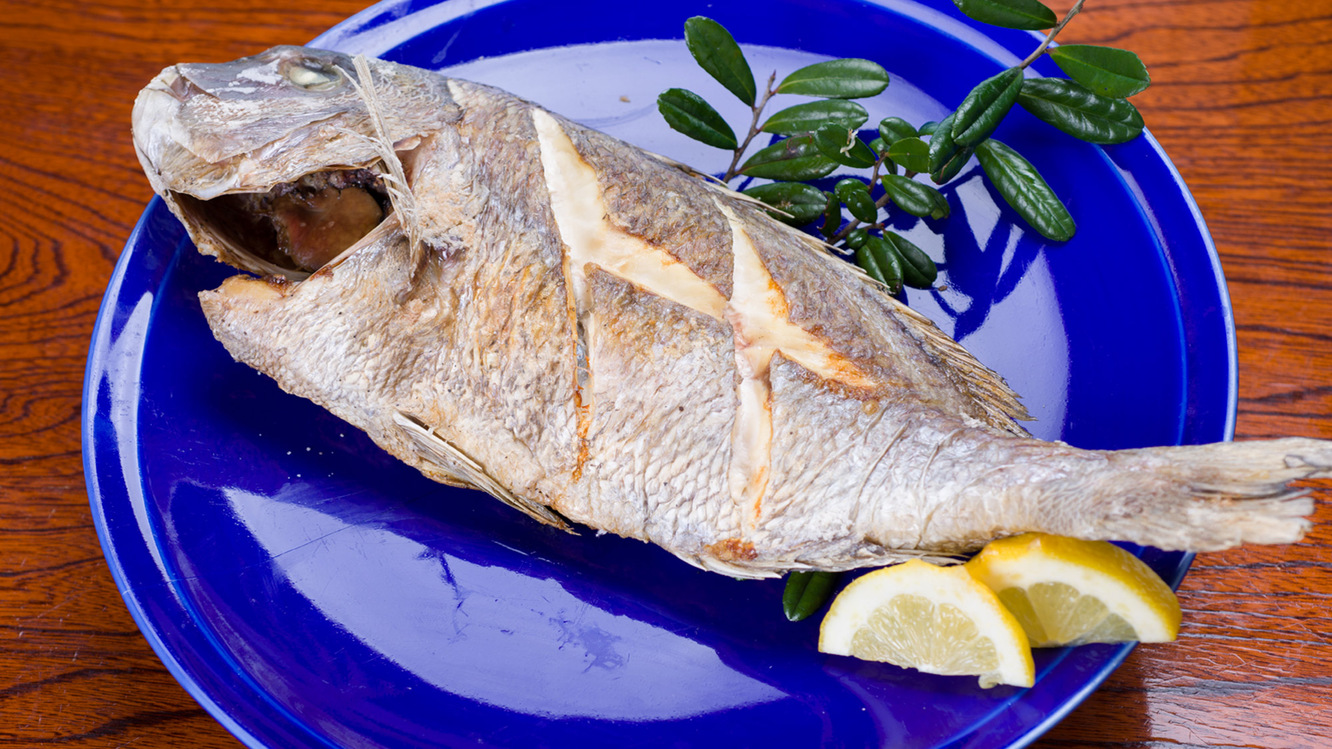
(312, 75)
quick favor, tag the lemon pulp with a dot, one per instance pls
(938, 620)
(1066, 591)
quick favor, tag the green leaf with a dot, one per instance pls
(1079, 112)
(715, 50)
(856, 239)
(802, 202)
(842, 145)
(980, 113)
(916, 198)
(837, 79)
(792, 160)
(918, 270)
(1028, 15)
(951, 167)
(879, 146)
(856, 195)
(881, 262)
(893, 129)
(808, 117)
(1105, 70)
(928, 128)
(912, 153)
(942, 146)
(806, 592)
(686, 112)
(1025, 190)
(832, 215)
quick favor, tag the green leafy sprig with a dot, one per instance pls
(817, 137)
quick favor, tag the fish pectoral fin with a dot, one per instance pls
(448, 458)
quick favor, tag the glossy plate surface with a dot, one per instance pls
(309, 590)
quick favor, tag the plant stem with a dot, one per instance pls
(1053, 33)
(854, 223)
(1050, 37)
(880, 203)
(753, 128)
(1035, 55)
(874, 173)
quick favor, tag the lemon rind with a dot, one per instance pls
(851, 610)
(1124, 583)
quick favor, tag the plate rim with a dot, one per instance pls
(98, 367)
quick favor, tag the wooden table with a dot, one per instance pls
(1242, 101)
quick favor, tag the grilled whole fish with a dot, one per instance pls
(509, 301)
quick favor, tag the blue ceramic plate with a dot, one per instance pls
(310, 591)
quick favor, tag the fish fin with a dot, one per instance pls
(1000, 404)
(740, 572)
(865, 555)
(869, 554)
(691, 171)
(1203, 497)
(457, 464)
(718, 186)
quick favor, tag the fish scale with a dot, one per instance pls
(644, 340)
(595, 335)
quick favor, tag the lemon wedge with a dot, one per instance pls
(1066, 591)
(934, 619)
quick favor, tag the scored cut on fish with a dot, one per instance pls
(594, 334)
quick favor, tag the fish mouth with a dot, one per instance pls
(294, 228)
(262, 199)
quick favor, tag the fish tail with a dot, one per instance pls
(1209, 497)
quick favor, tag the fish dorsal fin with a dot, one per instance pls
(445, 456)
(1001, 405)
(716, 185)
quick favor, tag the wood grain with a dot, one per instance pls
(1242, 102)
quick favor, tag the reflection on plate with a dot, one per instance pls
(308, 590)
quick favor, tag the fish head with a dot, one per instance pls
(275, 162)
